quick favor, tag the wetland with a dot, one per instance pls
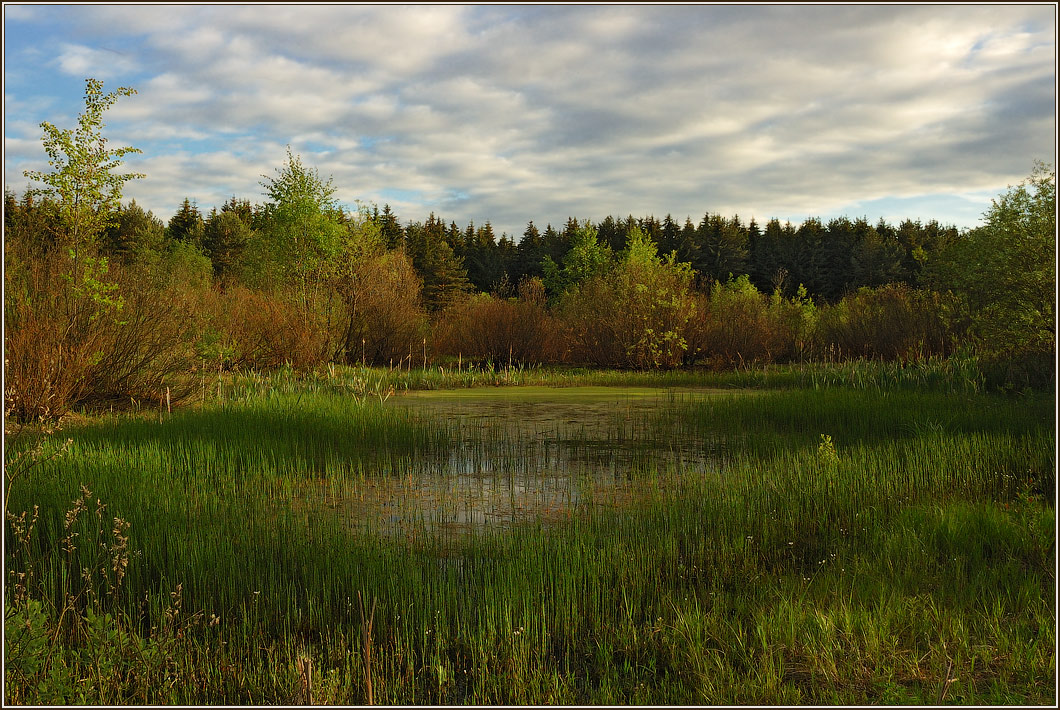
(721, 542)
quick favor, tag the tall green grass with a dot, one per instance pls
(952, 374)
(909, 561)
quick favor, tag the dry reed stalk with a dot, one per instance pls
(304, 664)
(366, 639)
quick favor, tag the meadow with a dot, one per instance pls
(808, 534)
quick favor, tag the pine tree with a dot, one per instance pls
(134, 234)
(529, 253)
(390, 229)
(187, 224)
(225, 237)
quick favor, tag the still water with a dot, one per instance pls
(528, 454)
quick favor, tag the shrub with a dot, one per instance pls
(261, 330)
(81, 332)
(734, 326)
(489, 328)
(384, 319)
(890, 322)
(634, 315)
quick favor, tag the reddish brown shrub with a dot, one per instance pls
(488, 328)
(890, 322)
(384, 319)
(258, 330)
(83, 333)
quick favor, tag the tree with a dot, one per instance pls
(721, 248)
(241, 208)
(634, 313)
(134, 234)
(384, 317)
(390, 229)
(482, 259)
(74, 332)
(83, 180)
(187, 224)
(442, 272)
(225, 236)
(529, 253)
(586, 258)
(305, 232)
(1005, 270)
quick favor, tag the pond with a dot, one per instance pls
(529, 454)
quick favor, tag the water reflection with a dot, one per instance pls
(522, 455)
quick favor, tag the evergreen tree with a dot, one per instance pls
(225, 237)
(134, 234)
(187, 224)
(651, 228)
(687, 249)
(611, 232)
(804, 259)
(390, 228)
(669, 235)
(240, 208)
(556, 244)
(482, 260)
(529, 254)
(722, 248)
(877, 256)
(441, 271)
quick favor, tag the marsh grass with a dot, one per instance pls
(914, 563)
(953, 374)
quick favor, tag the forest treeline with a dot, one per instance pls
(106, 303)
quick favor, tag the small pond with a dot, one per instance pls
(523, 454)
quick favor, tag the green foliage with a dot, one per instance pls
(633, 313)
(82, 181)
(734, 327)
(1005, 270)
(187, 224)
(305, 233)
(135, 235)
(586, 258)
(442, 272)
(186, 265)
(225, 236)
(826, 452)
(91, 286)
(890, 322)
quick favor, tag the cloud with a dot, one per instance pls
(509, 113)
(99, 62)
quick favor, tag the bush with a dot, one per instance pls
(259, 330)
(79, 332)
(384, 319)
(488, 328)
(634, 315)
(890, 322)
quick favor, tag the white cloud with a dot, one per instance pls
(99, 62)
(515, 112)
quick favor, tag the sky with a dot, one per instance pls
(511, 113)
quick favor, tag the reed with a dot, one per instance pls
(911, 561)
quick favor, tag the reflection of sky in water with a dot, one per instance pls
(522, 458)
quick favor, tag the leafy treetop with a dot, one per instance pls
(83, 180)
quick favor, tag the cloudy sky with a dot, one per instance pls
(515, 112)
